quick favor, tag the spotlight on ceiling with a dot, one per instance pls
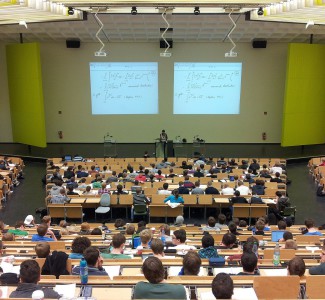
(196, 10)
(134, 10)
(260, 11)
(70, 11)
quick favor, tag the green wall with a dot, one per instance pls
(304, 106)
(66, 88)
(26, 96)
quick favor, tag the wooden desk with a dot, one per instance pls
(163, 210)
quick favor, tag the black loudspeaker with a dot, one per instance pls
(259, 43)
(163, 45)
(73, 43)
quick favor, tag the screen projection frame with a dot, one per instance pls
(207, 88)
(128, 88)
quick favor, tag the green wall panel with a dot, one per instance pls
(26, 94)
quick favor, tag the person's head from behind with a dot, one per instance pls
(145, 236)
(290, 244)
(212, 222)
(287, 235)
(191, 263)
(8, 237)
(166, 228)
(80, 244)
(260, 225)
(91, 255)
(42, 229)
(30, 271)
(42, 249)
(207, 241)
(242, 224)
(282, 225)
(118, 240)
(250, 243)
(249, 262)
(309, 223)
(296, 266)
(232, 227)
(157, 246)
(229, 240)
(222, 286)
(153, 270)
(119, 223)
(165, 186)
(179, 237)
(85, 226)
(222, 219)
(96, 231)
(130, 229)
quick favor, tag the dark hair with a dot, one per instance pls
(29, 271)
(191, 263)
(157, 246)
(80, 244)
(248, 261)
(228, 239)
(165, 186)
(118, 240)
(180, 235)
(96, 231)
(222, 286)
(309, 223)
(42, 229)
(91, 255)
(42, 249)
(296, 266)
(211, 221)
(287, 235)
(249, 244)
(282, 225)
(237, 193)
(260, 225)
(130, 229)
(207, 241)
(222, 219)
(176, 193)
(232, 227)
(19, 224)
(119, 223)
(242, 223)
(153, 270)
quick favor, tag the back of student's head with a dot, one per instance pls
(282, 225)
(91, 255)
(191, 263)
(29, 271)
(118, 240)
(290, 244)
(207, 241)
(211, 221)
(42, 249)
(287, 235)
(249, 244)
(119, 223)
(248, 261)
(180, 235)
(153, 270)
(166, 228)
(80, 244)
(145, 236)
(296, 266)
(222, 286)
(157, 246)
(222, 219)
(229, 239)
(42, 229)
(130, 229)
(232, 227)
(260, 225)
(309, 223)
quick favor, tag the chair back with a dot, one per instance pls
(140, 208)
(105, 200)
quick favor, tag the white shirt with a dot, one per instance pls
(227, 191)
(244, 190)
(164, 192)
(273, 170)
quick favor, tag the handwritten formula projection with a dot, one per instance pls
(124, 88)
(207, 88)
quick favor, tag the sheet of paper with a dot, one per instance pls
(275, 272)
(174, 271)
(4, 292)
(239, 294)
(66, 290)
(229, 270)
(112, 271)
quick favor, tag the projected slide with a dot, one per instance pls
(207, 88)
(124, 88)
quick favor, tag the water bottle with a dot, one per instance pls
(255, 249)
(83, 271)
(163, 237)
(276, 255)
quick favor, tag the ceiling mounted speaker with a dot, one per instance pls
(73, 43)
(259, 43)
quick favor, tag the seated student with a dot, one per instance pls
(320, 269)
(60, 198)
(277, 178)
(249, 264)
(311, 228)
(179, 221)
(251, 245)
(233, 228)
(179, 240)
(211, 190)
(237, 198)
(208, 250)
(119, 190)
(157, 248)
(103, 189)
(296, 266)
(94, 261)
(211, 225)
(287, 235)
(43, 230)
(96, 231)
(221, 222)
(29, 221)
(42, 250)
(174, 198)
(84, 228)
(118, 243)
(197, 189)
(243, 189)
(255, 199)
(282, 225)
(191, 264)
(56, 264)
(290, 244)
(30, 274)
(182, 190)
(8, 237)
(145, 237)
(19, 229)
(222, 286)
(72, 183)
(260, 225)
(78, 246)
(156, 288)
(70, 191)
(119, 224)
(166, 229)
(258, 188)
(228, 241)
(164, 190)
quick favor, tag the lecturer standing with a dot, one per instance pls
(163, 140)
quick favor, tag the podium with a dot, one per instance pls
(109, 146)
(180, 149)
(159, 147)
(198, 147)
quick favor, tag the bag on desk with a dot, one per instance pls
(217, 261)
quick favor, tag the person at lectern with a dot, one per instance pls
(161, 149)
(163, 136)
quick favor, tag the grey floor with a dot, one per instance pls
(30, 194)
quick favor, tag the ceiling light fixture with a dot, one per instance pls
(196, 10)
(101, 51)
(231, 53)
(134, 10)
(165, 53)
(260, 11)
(70, 11)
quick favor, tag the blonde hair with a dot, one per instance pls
(145, 236)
